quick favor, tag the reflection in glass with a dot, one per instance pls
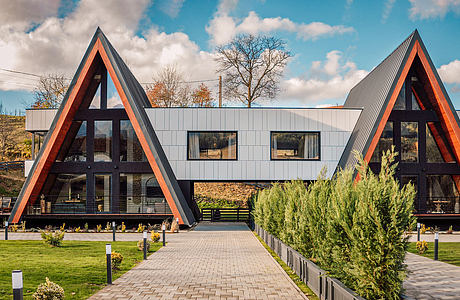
(113, 98)
(409, 141)
(212, 145)
(102, 140)
(74, 146)
(385, 142)
(103, 185)
(433, 155)
(96, 102)
(295, 145)
(66, 195)
(415, 105)
(400, 103)
(141, 193)
(130, 147)
(442, 194)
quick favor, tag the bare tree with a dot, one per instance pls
(50, 91)
(252, 66)
(169, 89)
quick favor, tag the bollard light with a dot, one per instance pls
(163, 228)
(108, 253)
(145, 244)
(114, 230)
(436, 241)
(6, 230)
(177, 221)
(418, 232)
(16, 278)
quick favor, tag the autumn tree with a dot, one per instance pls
(6, 134)
(201, 96)
(252, 66)
(169, 89)
(50, 91)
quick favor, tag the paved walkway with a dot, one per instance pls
(215, 261)
(430, 279)
(429, 237)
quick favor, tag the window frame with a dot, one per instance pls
(296, 159)
(212, 131)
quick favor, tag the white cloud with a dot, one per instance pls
(171, 7)
(387, 9)
(329, 79)
(425, 9)
(450, 73)
(57, 45)
(223, 27)
(25, 13)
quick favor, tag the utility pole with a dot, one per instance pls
(220, 91)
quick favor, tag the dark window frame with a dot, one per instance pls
(212, 131)
(297, 159)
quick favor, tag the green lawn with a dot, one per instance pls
(79, 267)
(448, 252)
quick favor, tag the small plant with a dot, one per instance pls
(62, 228)
(98, 228)
(433, 229)
(450, 230)
(422, 247)
(140, 245)
(108, 227)
(49, 291)
(140, 228)
(423, 229)
(86, 227)
(117, 258)
(77, 230)
(53, 239)
(155, 236)
(14, 228)
(123, 227)
(23, 226)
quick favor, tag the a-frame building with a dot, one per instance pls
(98, 171)
(405, 104)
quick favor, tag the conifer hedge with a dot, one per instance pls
(354, 229)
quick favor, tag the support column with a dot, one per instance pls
(33, 146)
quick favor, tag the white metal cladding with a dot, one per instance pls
(253, 126)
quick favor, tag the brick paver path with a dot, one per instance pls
(215, 261)
(430, 279)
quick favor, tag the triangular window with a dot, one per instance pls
(96, 102)
(113, 98)
(415, 105)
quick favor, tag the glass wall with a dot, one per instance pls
(442, 194)
(130, 147)
(295, 145)
(102, 192)
(409, 141)
(66, 195)
(102, 140)
(141, 193)
(212, 145)
(74, 146)
(113, 98)
(385, 142)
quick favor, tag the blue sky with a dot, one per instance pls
(334, 43)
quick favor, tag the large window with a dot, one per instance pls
(212, 145)
(409, 141)
(385, 142)
(295, 145)
(102, 189)
(130, 147)
(66, 195)
(102, 140)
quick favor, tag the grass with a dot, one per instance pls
(302, 286)
(78, 266)
(448, 252)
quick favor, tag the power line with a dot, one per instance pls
(20, 72)
(192, 81)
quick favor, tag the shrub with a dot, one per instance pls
(422, 247)
(123, 227)
(450, 230)
(108, 227)
(423, 229)
(140, 228)
(49, 291)
(98, 228)
(13, 228)
(62, 228)
(77, 230)
(86, 227)
(354, 229)
(117, 258)
(23, 226)
(140, 245)
(53, 239)
(155, 236)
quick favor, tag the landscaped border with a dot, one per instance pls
(325, 287)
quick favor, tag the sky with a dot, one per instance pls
(334, 43)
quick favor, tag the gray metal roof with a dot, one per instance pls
(372, 94)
